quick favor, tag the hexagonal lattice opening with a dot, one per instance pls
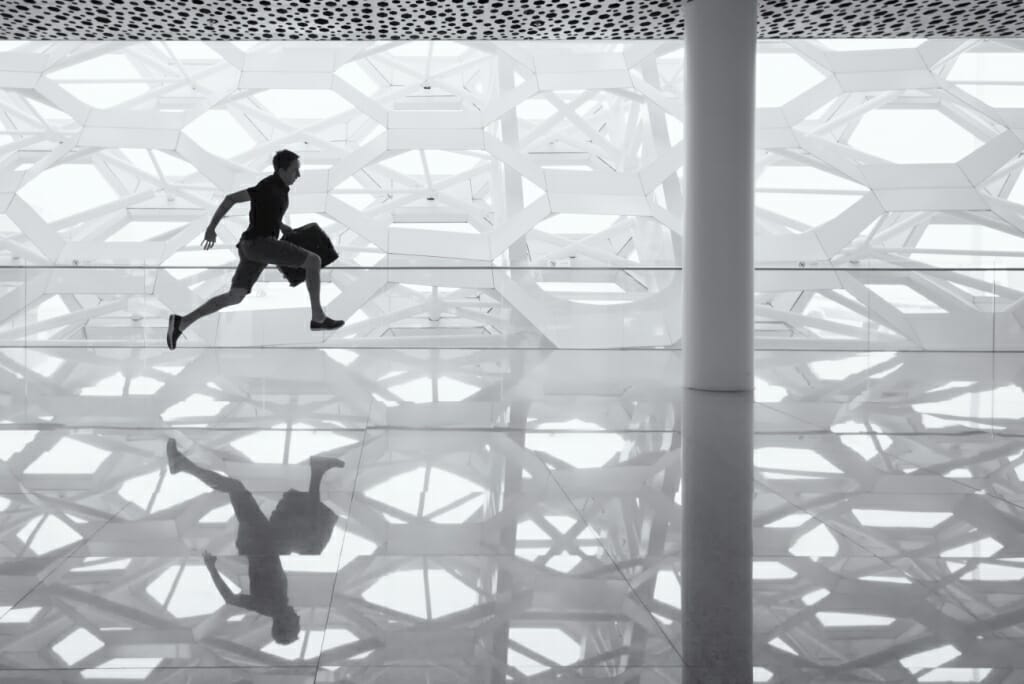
(66, 190)
(428, 594)
(782, 76)
(913, 136)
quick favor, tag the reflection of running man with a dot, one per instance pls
(301, 522)
(260, 246)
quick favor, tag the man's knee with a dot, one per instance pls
(235, 295)
(312, 262)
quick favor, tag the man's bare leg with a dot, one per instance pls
(178, 462)
(212, 305)
(312, 267)
(176, 325)
(318, 467)
(319, 320)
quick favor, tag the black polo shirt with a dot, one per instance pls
(268, 202)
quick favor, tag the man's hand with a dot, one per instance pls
(209, 238)
(209, 559)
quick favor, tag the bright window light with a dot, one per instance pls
(300, 104)
(123, 668)
(151, 493)
(888, 518)
(885, 580)
(105, 95)
(817, 543)
(995, 95)
(866, 44)
(786, 177)
(982, 548)
(787, 458)
(772, 570)
(80, 187)
(980, 67)
(431, 493)
(549, 642)
(191, 50)
(186, 591)
(782, 645)
(68, 457)
(431, 594)
(905, 298)
(440, 226)
(809, 209)
(667, 588)
(358, 76)
(111, 386)
(194, 406)
(77, 645)
(783, 76)
(576, 287)
(905, 136)
(109, 66)
(140, 231)
(949, 675)
(444, 163)
(830, 619)
(45, 533)
(789, 521)
(991, 572)
(13, 441)
(219, 133)
(576, 224)
(580, 450)
(17, 616)
(420, 390)
(930, 658)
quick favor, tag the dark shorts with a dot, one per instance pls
(253, 527)
(256, 255)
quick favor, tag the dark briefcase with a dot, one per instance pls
(312, 237)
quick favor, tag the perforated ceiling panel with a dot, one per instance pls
(479, 20)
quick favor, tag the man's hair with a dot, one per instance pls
(283, 159)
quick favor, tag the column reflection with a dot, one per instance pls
(717, 535)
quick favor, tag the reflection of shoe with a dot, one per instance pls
(173, 456)
(325, 463)
(173, 331)
(327, 324)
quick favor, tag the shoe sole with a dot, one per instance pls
(171, 342)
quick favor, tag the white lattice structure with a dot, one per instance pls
(498, 159)
(511, 507)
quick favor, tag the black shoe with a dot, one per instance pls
(327, 324)
(173, 331)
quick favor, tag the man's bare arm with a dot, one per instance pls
(229, 201)
(222, 588)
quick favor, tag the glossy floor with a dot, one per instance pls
(501, 515)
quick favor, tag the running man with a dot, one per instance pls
(259, 246)
(300, 523)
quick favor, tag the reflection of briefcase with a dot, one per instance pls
(308, 522)
(312, 237)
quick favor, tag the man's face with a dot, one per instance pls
(291, 172)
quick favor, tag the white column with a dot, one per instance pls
(718, 263)
(718, 282)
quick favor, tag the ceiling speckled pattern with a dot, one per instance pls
(479, 20)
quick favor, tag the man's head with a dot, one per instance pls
(285, 629)
(286, 166)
